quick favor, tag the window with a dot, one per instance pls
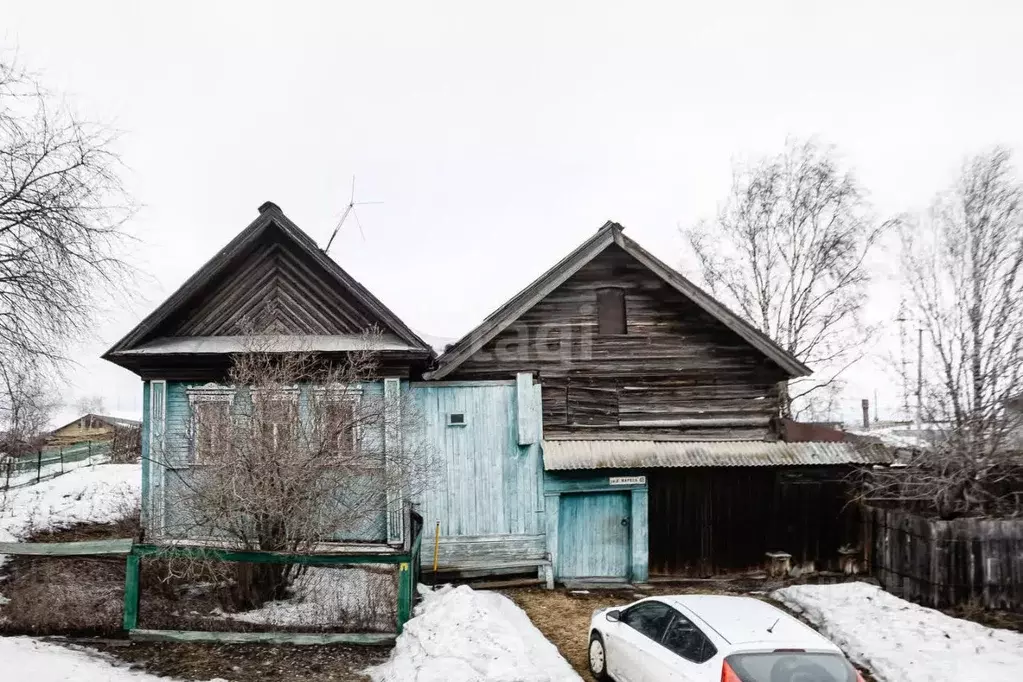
(649, 618)
(339, 416)
(275, 413)
(211, 420)
(456, 419)
(611, 312)
(686, 640)
(210, 424)
(780, 665)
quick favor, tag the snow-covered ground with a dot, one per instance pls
(23, 658)
(461, 635)
(332, 596)
(95, 494)
(899, 641)
(52, 469)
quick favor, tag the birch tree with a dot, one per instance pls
(963, 269)
(789, 250)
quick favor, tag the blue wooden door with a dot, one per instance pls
(593, 535)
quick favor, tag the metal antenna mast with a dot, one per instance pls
(349, 209)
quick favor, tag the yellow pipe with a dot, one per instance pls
(436, 546)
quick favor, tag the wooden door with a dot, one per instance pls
(593, 535)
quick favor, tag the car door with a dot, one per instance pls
(639, 627)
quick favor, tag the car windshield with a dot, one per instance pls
(791, 666)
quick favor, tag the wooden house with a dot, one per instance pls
(90, 427)
(657, 404)
(486, 435)
(609, 421)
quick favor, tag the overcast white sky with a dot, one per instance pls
(499, 138)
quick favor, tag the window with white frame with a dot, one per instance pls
(211, 421)
(337, 410)
(277, 414)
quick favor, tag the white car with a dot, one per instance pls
(710, 638)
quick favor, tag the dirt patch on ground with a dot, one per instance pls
(250, 662)
(563, 616)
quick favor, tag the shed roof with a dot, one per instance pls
(114, 422)
(559, 455)
(606, 236)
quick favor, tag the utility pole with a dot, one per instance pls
(920, 379)
(901, 319)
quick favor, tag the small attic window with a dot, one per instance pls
(456, 419)
(611, 311)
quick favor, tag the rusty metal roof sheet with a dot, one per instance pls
(641, 454)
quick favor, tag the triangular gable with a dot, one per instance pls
(280, 281)
(609, 234)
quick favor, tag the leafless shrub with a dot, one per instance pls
(27, 404)
(126, 445)
(963, 265)
(788, 249)
(295, 458)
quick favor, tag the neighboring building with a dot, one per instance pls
(658, 401)
(609, 421)
(91, 427)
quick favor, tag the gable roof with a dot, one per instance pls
(113, 422)
(609, 234)
(270, 217)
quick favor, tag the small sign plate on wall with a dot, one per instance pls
(627, 480)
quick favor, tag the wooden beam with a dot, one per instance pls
(89, 548)
(362, 638)
(268, 557)
(131, 593)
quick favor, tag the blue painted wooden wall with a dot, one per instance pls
(169, 465)
(488, 477)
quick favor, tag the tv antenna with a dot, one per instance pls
(350, 210)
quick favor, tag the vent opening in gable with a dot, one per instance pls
(611, 312)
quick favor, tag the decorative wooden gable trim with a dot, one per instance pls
(609, 234)
(274, 276)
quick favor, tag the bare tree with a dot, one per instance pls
(27, 405)
(295, 458)
(963, 266)
(789, 250)
(62, 208)
(92, 404)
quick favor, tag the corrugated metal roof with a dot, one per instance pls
(641, 454)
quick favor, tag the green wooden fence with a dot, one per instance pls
(407, 563)
(50, 463)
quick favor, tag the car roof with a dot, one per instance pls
(749, 621)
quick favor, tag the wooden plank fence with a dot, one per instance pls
(945, 563)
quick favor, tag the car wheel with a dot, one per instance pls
(597, 656)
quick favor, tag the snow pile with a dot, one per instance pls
(898, 640)
(31, 659)
(330, 597)
(98, 494)
(460, 635)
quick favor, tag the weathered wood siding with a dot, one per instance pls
(705, 521)
(485, 489)
(676, 364)
(272, 288)
(946, 563)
